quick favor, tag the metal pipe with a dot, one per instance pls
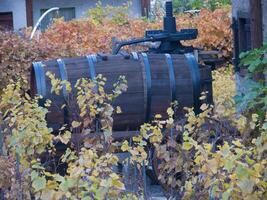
(40, 19)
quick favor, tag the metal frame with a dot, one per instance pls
(171, 76)
(39, 78)
(194, 70)
(148, 85)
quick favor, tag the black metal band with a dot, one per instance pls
(194, 70)
(135, 55)
(171, 76)
(148, 86)
(64, 77)
(39, 78)
(91, 60)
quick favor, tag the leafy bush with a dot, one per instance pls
(200, 4)
(29, 141)
(205, 156)
(16, 54)
(84, 36)
(255, 98)
(201, 156)
(117, 14)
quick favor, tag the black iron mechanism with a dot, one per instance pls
(169, 37)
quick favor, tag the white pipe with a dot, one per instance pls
(40, 19)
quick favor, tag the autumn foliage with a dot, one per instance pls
(84, 36)
(217, 154)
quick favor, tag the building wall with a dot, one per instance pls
(264, 15)
(239, 5)
(242, 84)
(243, 5)
(81, 6)
(18, 8)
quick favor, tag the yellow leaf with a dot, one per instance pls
(125, 146)
(187, 146)
(95, 173)
(202, 97)
(118, 184)
(246, 186)
(118, 110)
(237, 143)
(170, 121)
(255, 117)
(198, 159)
(51, 184)
(114, 176)
(66, 137)
(47, 103)
(137, 138)
(75, 124)
(158, 116)
(213, 165)
(204, 107)
(170, 111)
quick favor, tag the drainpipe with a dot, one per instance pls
(40, 19)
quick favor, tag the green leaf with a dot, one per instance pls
(253, 66)
(241, 172)
(229, 164)
(226, 194)
(59, 178)
(187, 146)
(34, 175)
(65, 185)
(246, 186)
(39, 183)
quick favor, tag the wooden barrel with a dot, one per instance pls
(154, 81)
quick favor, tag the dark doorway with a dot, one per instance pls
(6, 21)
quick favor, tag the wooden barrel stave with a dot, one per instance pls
(133, 102)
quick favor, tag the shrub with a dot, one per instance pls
(200, 4)
(81, 37)
(29, 141)
(117, 14)
(84, 36)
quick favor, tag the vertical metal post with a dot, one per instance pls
(1, 141)
(2, 194)
(144, 179)
(135, 185)
(18, 178)
(171, 151)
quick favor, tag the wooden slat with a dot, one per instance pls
(29, 12)
(132, 102)
(256, 23)
(117, 136)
